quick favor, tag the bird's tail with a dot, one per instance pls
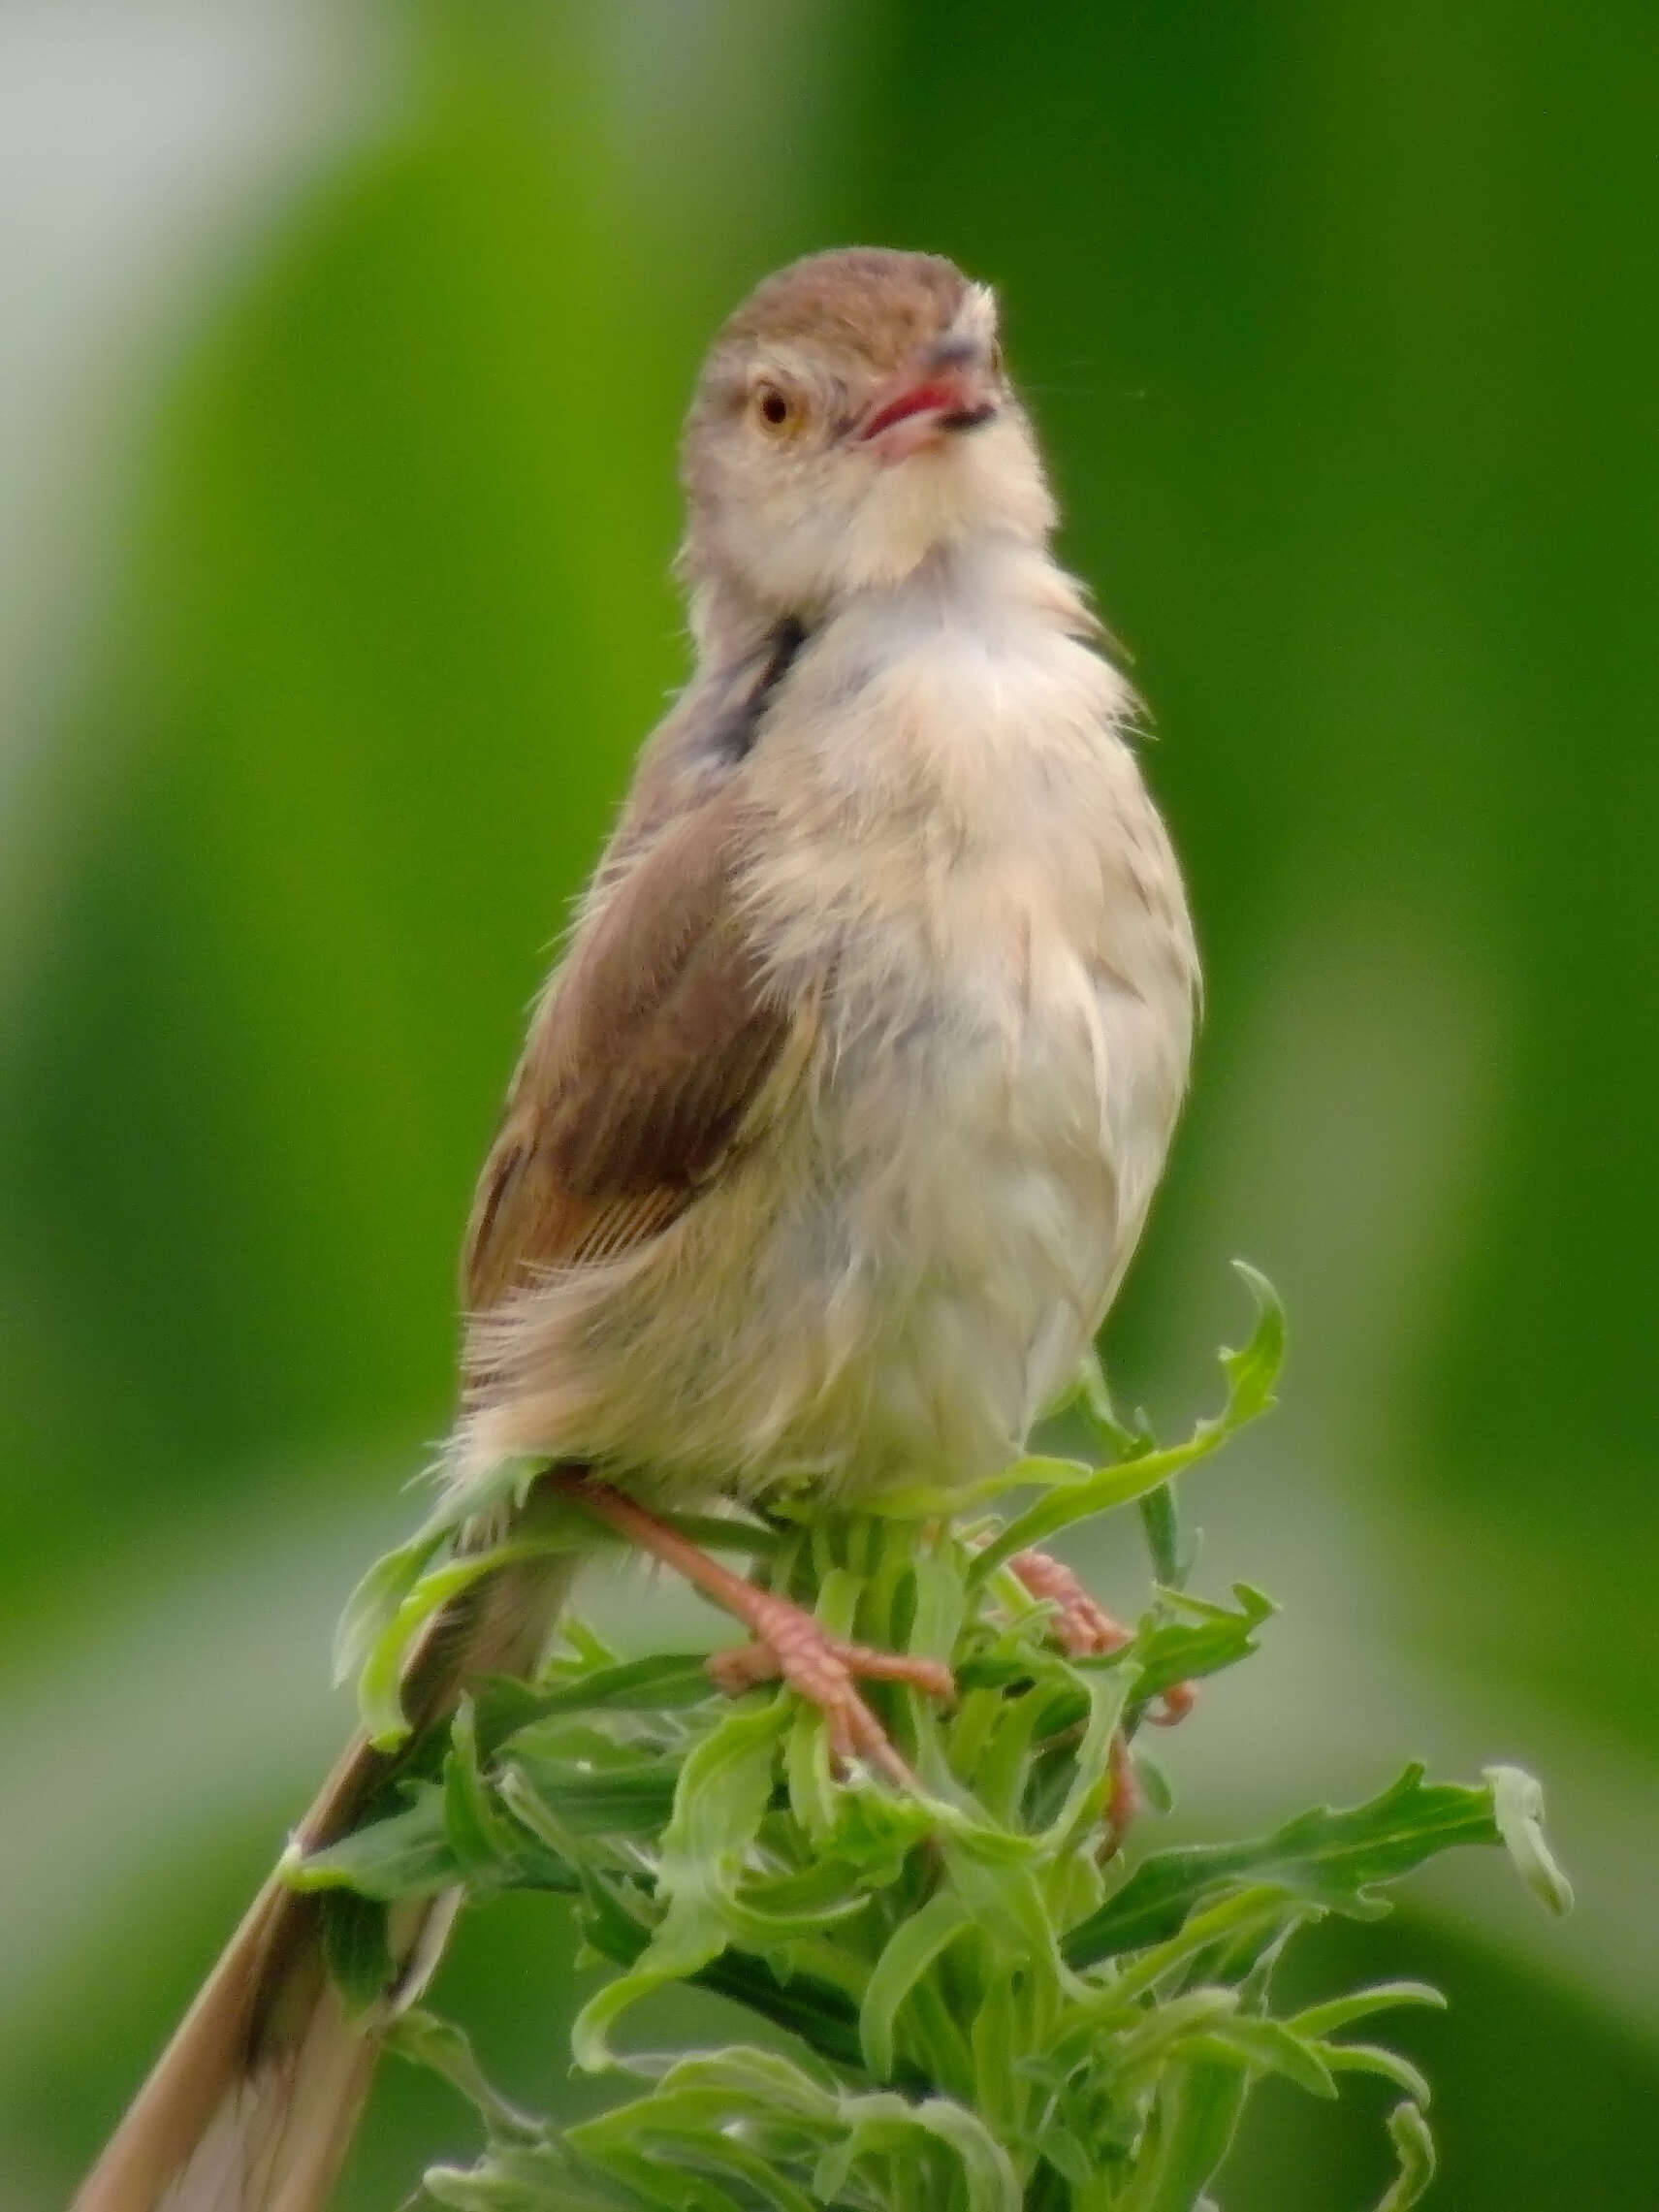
(252, 2105)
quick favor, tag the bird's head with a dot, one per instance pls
(852, 418)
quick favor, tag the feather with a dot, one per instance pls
(648, 1053)
(252, 2105)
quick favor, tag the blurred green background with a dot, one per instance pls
(341, 369)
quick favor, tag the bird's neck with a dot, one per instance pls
(993, 574)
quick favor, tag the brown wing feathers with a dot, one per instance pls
(643, 1063)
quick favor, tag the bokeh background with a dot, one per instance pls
(341, 355)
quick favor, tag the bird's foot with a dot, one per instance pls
(793, 1646)
(1084, 1629)
(789, 1643)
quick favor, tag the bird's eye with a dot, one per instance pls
(773, 406)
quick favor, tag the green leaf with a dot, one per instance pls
(425, 2039)
(373, 1604)
(1208, 1639)
(910, 1950)
(1414, 2148)
(1085, 1800)
(684, 2128)
(1154, 1784)
(884, 2125)
(941, 1603)
(1247, 1913)
(1005, 1899)
(1383, 1997)
(1160, 1522)
(591, 1650)
(722, 1796)
(1069, 2154)
(744, 2112)
(354, 1944)
(379, 1688)
(407, 1855)
(1272, 2047)
(1172, 2027)
(821, 2014)
(522, 2177)
(1195, 2117)
(1518, 1807)
(591, 1798)
(485, 1844)
(925, 1502)
(1375, 2058)
(662, 1684)
(764, 2081)
(1000, 2031)
(722, 1531)
(1337, 1859)
(1250, 1373)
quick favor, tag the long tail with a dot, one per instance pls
(252, 2105)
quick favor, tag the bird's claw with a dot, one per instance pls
(1084, 1629)
(793, 1646)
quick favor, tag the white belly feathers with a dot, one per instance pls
(1008, 1023)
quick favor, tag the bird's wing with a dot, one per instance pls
(647, 1062)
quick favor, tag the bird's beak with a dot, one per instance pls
(949, 391)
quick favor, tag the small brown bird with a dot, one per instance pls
(837, 1122)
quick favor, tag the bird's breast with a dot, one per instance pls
(986, 911)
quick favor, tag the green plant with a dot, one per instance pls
(972, 2002)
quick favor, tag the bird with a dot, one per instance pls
(840, 1116)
